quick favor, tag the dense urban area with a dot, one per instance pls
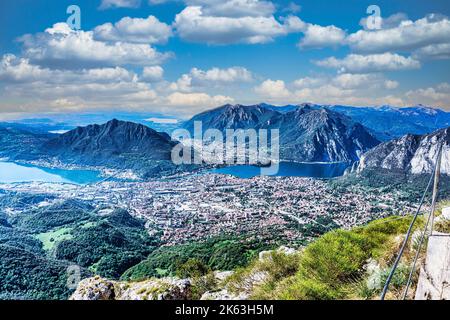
(201, 206)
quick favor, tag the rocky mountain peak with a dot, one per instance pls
(410, 153)
(103, 143)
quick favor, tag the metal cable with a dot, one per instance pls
(422, 238)
(411, 273)
(408, 234)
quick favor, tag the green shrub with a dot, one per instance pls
(335, 257)
(191, 269)
(311, 289)
(332, 267)
(277, 267)
(216, 254)
(202, 284)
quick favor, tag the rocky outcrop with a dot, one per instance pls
(411, 153)
(246, 287)
(158, 289)
(434, 279)
(248, 281)
(283, 249)
(98, 288)
(94, 289)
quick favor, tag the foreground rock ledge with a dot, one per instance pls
(98, 288)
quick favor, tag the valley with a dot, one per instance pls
(147, 229)
(142, 217)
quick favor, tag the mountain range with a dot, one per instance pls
(385, 122)
(115, 145)
(307, 133)
(388, 122)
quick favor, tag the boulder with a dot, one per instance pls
(155, 289)
(98, 288)
(222, 275)
(95, 288)
(283, 249)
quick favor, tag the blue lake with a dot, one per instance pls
(11, 172)
(288, 169)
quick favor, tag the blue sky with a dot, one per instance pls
(179, 57)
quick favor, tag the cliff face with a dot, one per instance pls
(426, 153)
(412, 153)
(309, 134)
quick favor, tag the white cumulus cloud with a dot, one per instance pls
(273, 89)
(152, 73)
(233, 74)
(347, 88)
(316, 36)
(135, 30)
(197, 100)
(435, 96)
(15, 69)
(194, 25)
(407, 36)
(63, 47)
(234, 8)
(214, 77)
(433, 51)
(356, 63)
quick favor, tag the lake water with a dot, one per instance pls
(288, 169)
(11, 172)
